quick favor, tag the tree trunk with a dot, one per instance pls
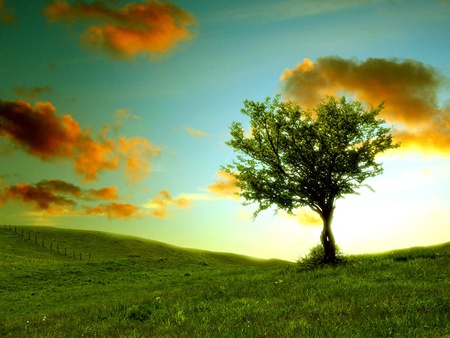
(327, 237)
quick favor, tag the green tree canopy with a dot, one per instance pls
(294, 158)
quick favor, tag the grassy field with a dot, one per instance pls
(131, 287)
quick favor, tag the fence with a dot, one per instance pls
(41, 242)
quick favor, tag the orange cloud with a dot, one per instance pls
(114, 210)
(108, 193)
(153, 27)
(197, 133)
(38, 130)
(59, 186)
(225, 186)
(137, 152)
(95, 156)
(409, 89)
(6, 13)
(40, 199)
(55, 196)
(304, 216)
(160, 203)
(41, 133)
(32, 93)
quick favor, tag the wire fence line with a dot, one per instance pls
(42, 242)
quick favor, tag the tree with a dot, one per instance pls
(294, 158)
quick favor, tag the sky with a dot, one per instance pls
(114, 116)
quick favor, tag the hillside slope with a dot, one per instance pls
(57, 244)
(138, 288)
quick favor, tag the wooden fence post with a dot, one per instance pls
(42, 244)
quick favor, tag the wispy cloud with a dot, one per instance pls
(6, 14)
(409, 89)
(224, 186)
(270, 11)
(43, 134)
(152, 28)
(31, 93)
(121, 117)
(195, 132)
(160, 204)
(114, 210)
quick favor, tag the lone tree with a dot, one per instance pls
(293, 158)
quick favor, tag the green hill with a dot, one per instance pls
(131, 287)
(56, 244)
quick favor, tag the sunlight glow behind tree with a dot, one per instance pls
(296, 158)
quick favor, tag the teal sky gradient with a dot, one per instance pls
(238, 51)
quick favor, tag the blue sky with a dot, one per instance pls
(168, 91)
